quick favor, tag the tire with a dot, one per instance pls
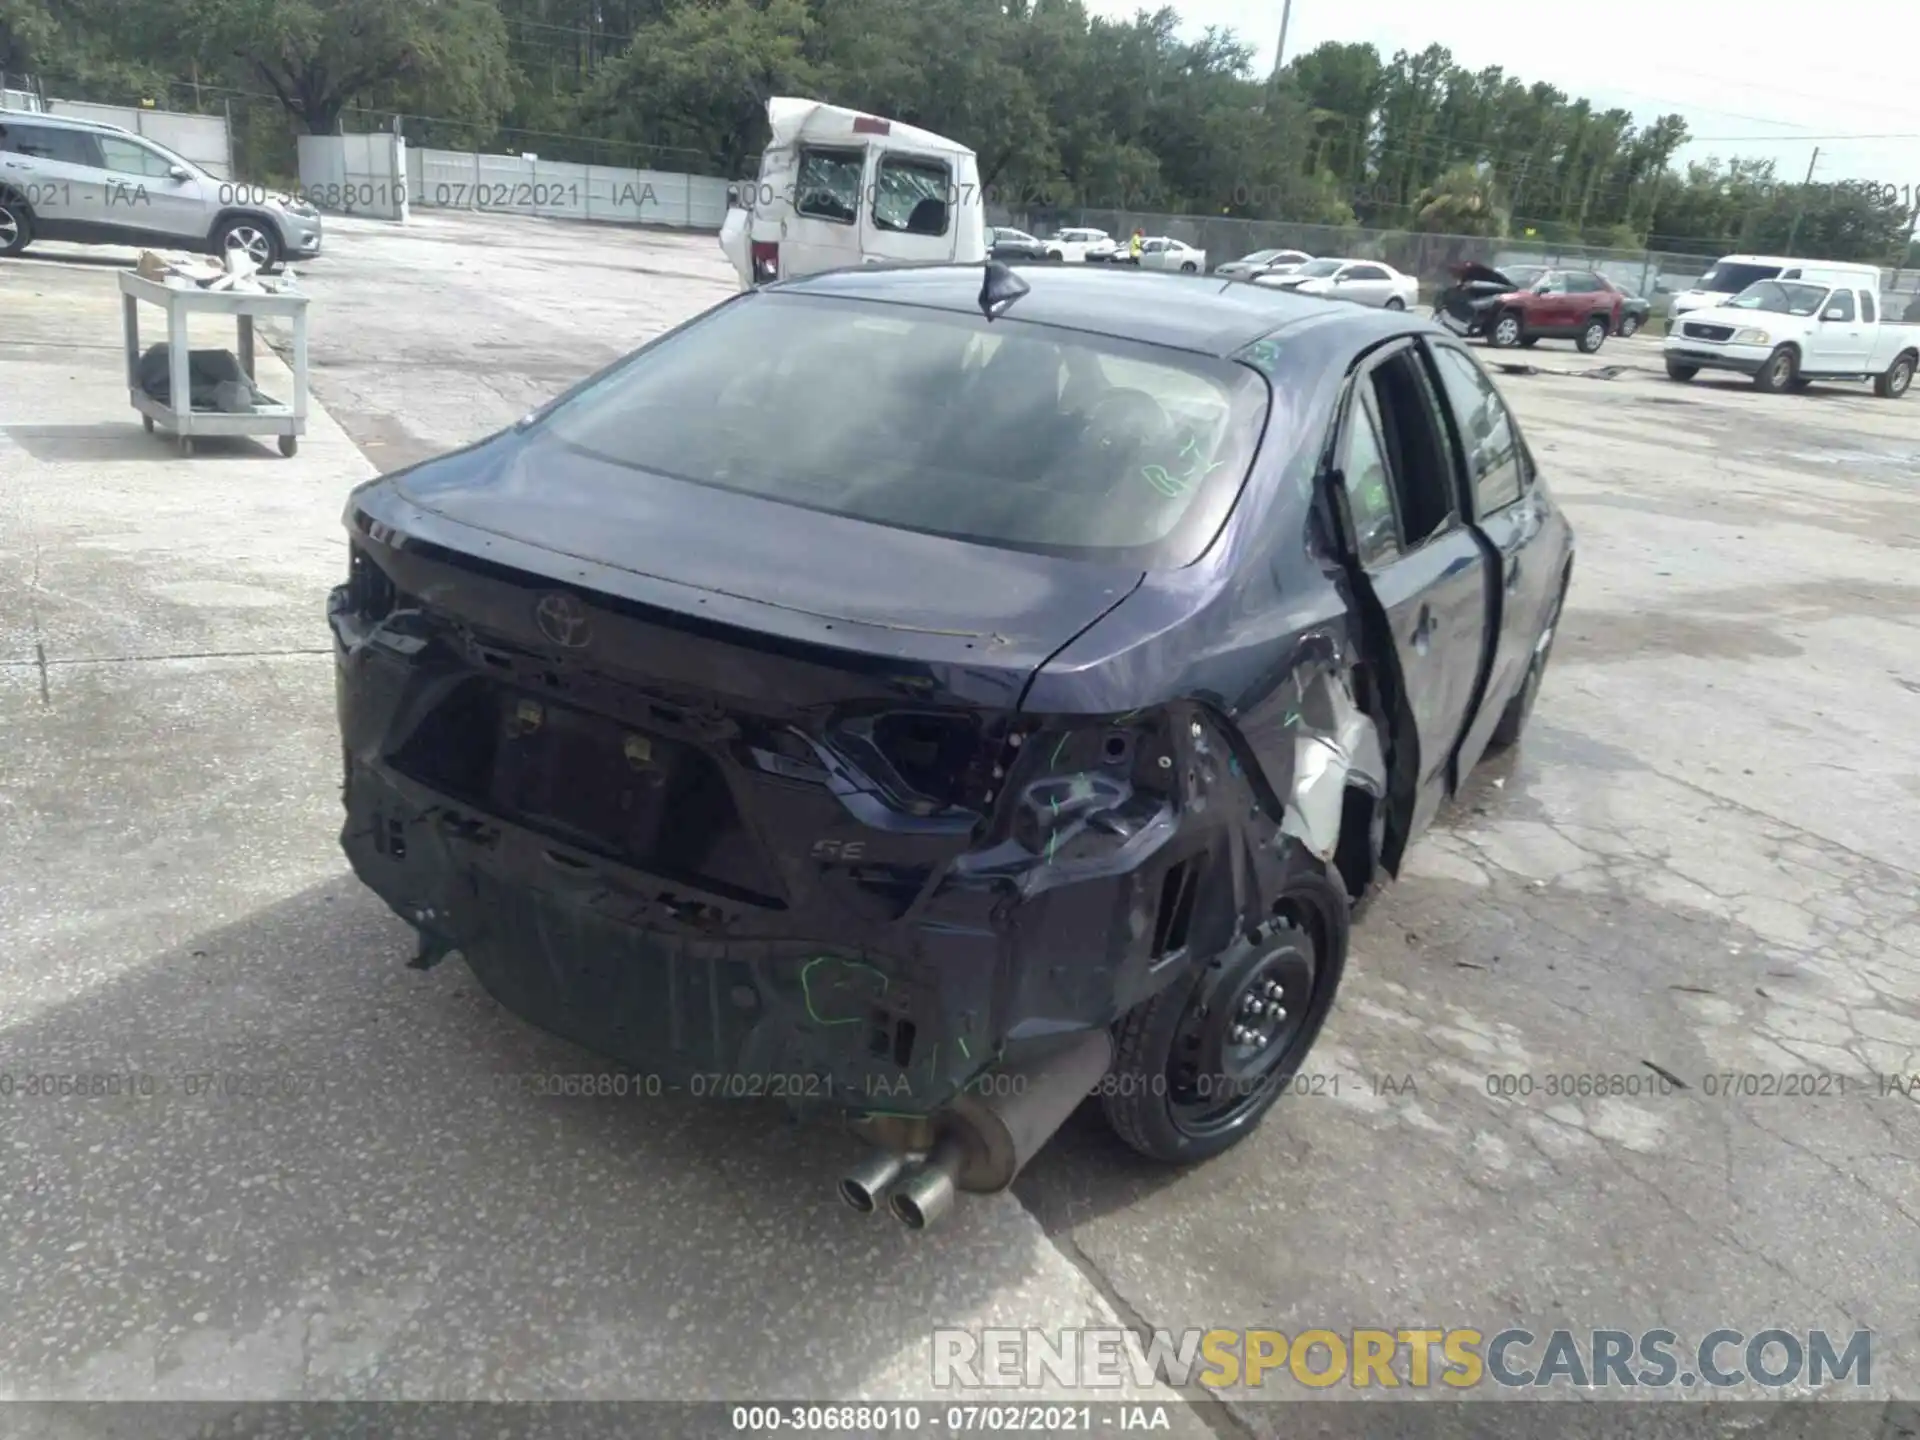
(1593, 337)
(1513, 719)
(249, 233)
(1529, 342)
(1683, 373)
(1506, 332)
(1799, 385)
(1893, 384)
(1780, 371)
(1394, 302)
(1056, 257)
(16, 225)
(1155, 1097)
(1629, 327)
(1190, 268)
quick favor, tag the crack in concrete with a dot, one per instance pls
(44, 662)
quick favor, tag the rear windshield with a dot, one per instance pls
(1730, 279)
(1010, 434)
(1781, 297)
(1317, 269)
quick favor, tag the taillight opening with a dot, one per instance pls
(766, 261)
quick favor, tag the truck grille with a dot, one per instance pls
(1696, 331)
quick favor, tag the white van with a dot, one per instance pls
(1733, 273)
(840, 188)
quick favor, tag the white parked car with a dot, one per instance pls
(1163, 253)
(1263, 262)
(1365, 282)
(1077, 246)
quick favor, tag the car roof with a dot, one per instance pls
(1182, 312)
(64, 122)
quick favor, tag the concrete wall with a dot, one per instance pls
(355, 174)
(464, 180)
(202, 139)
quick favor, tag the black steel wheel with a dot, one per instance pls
(1198, 1066)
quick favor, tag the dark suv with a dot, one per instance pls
(1530, 303)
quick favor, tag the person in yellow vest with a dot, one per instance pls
(1133, 246)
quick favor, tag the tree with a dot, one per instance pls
(319, 56)
(1461, 202)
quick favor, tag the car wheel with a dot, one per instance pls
(1893, 384)
(1677, 371)
(1629, 326)
(1528, 342)
(1198, 1066)
(254, 236)
(1189, 267)
(1394, 302)
(1799, 384)
(1513, 719)
(1505, 332)
(16, 225)
(1593, 337)
(1055, 256)
(1779, 371)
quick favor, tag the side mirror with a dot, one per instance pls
(1836, 313)
(178, 172)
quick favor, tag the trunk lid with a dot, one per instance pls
(792, 572)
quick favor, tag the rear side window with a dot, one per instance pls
(1369, 488)
(1488, 439)
(50, 142)
(1009, 434)
(1365, 272)
(1868, 311)
(910, 195)
(828, 185)
(1581, 283)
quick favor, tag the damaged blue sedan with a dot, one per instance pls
(933, 696)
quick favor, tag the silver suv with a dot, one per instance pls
(80, 180)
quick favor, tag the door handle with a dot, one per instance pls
(1423, 630)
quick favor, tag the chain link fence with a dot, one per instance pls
(1429, 258)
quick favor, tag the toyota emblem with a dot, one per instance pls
(563, 620)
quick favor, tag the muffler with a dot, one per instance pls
(986, 1137)
(862, 1186)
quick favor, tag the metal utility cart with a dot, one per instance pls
(288, 421)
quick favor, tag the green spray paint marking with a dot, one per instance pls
(806, 992)
(964, 1051)
(1053, 839)
(1056, 752)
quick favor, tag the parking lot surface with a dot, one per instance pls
(1699, 865)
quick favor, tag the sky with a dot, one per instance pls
(1751, 80)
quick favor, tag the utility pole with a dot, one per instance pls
(1800, 209)
(1280, 53)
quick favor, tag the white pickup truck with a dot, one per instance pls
(1788, 333)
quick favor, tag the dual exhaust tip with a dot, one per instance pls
(917, 1192)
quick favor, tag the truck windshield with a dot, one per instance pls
(1018, 435)
(1727, 278)
(1781, 297)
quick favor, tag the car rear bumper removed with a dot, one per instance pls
(877, 981)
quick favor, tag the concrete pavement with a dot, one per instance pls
(321, 1187)
(1699, 861)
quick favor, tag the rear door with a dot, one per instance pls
(1513, 516)
(907, 214)
(54, 169)
(1422, 568)
(1368, 284)
(822, 229)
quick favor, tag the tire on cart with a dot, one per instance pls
(289, 445)
(147, 420)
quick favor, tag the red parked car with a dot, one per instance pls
(1530, 303)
